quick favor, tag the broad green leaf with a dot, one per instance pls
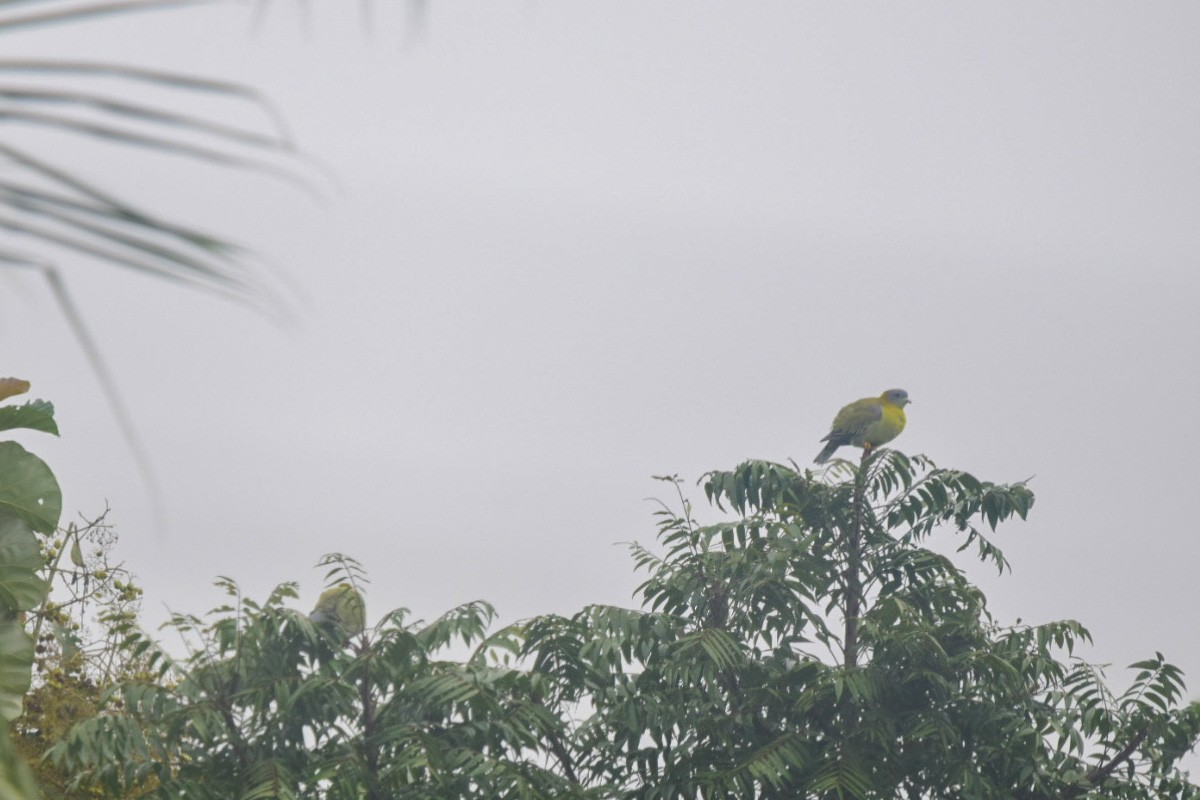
(37, 415)
(20, 559)
(28, 488)
(16, 780)
(16, 662)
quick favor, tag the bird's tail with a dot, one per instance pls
(827, 453)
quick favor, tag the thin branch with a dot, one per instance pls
(561, 753)
(368, 747)
(852, 577)
(1099, 773)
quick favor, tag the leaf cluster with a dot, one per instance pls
(805, 643)
(30, 505)
(734, 678)
(269, 704)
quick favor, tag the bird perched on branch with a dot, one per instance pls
(867, 423)
(341, 607)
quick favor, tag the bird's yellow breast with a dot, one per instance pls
(889, 425)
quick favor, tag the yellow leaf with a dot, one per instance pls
(11, 386)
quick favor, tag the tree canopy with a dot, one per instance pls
(806, 643)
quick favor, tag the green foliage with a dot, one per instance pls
(28, 489)
(76, 631)
(21, 589)
(16, 658)
(804, 644)
(56, 215)
(37, 415)
(744, 675)
(270, 705)
(51, 210)
(30, 503)
(16, 781)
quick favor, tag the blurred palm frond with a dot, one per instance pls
(51, 213)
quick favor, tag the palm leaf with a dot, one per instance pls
(59, 214)
(59, 12)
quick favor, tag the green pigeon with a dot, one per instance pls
(867, 423)
(342, 607)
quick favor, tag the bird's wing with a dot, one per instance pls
(855, 417)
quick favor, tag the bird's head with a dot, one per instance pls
(897, 397)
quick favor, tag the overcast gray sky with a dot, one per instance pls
(579, 244)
